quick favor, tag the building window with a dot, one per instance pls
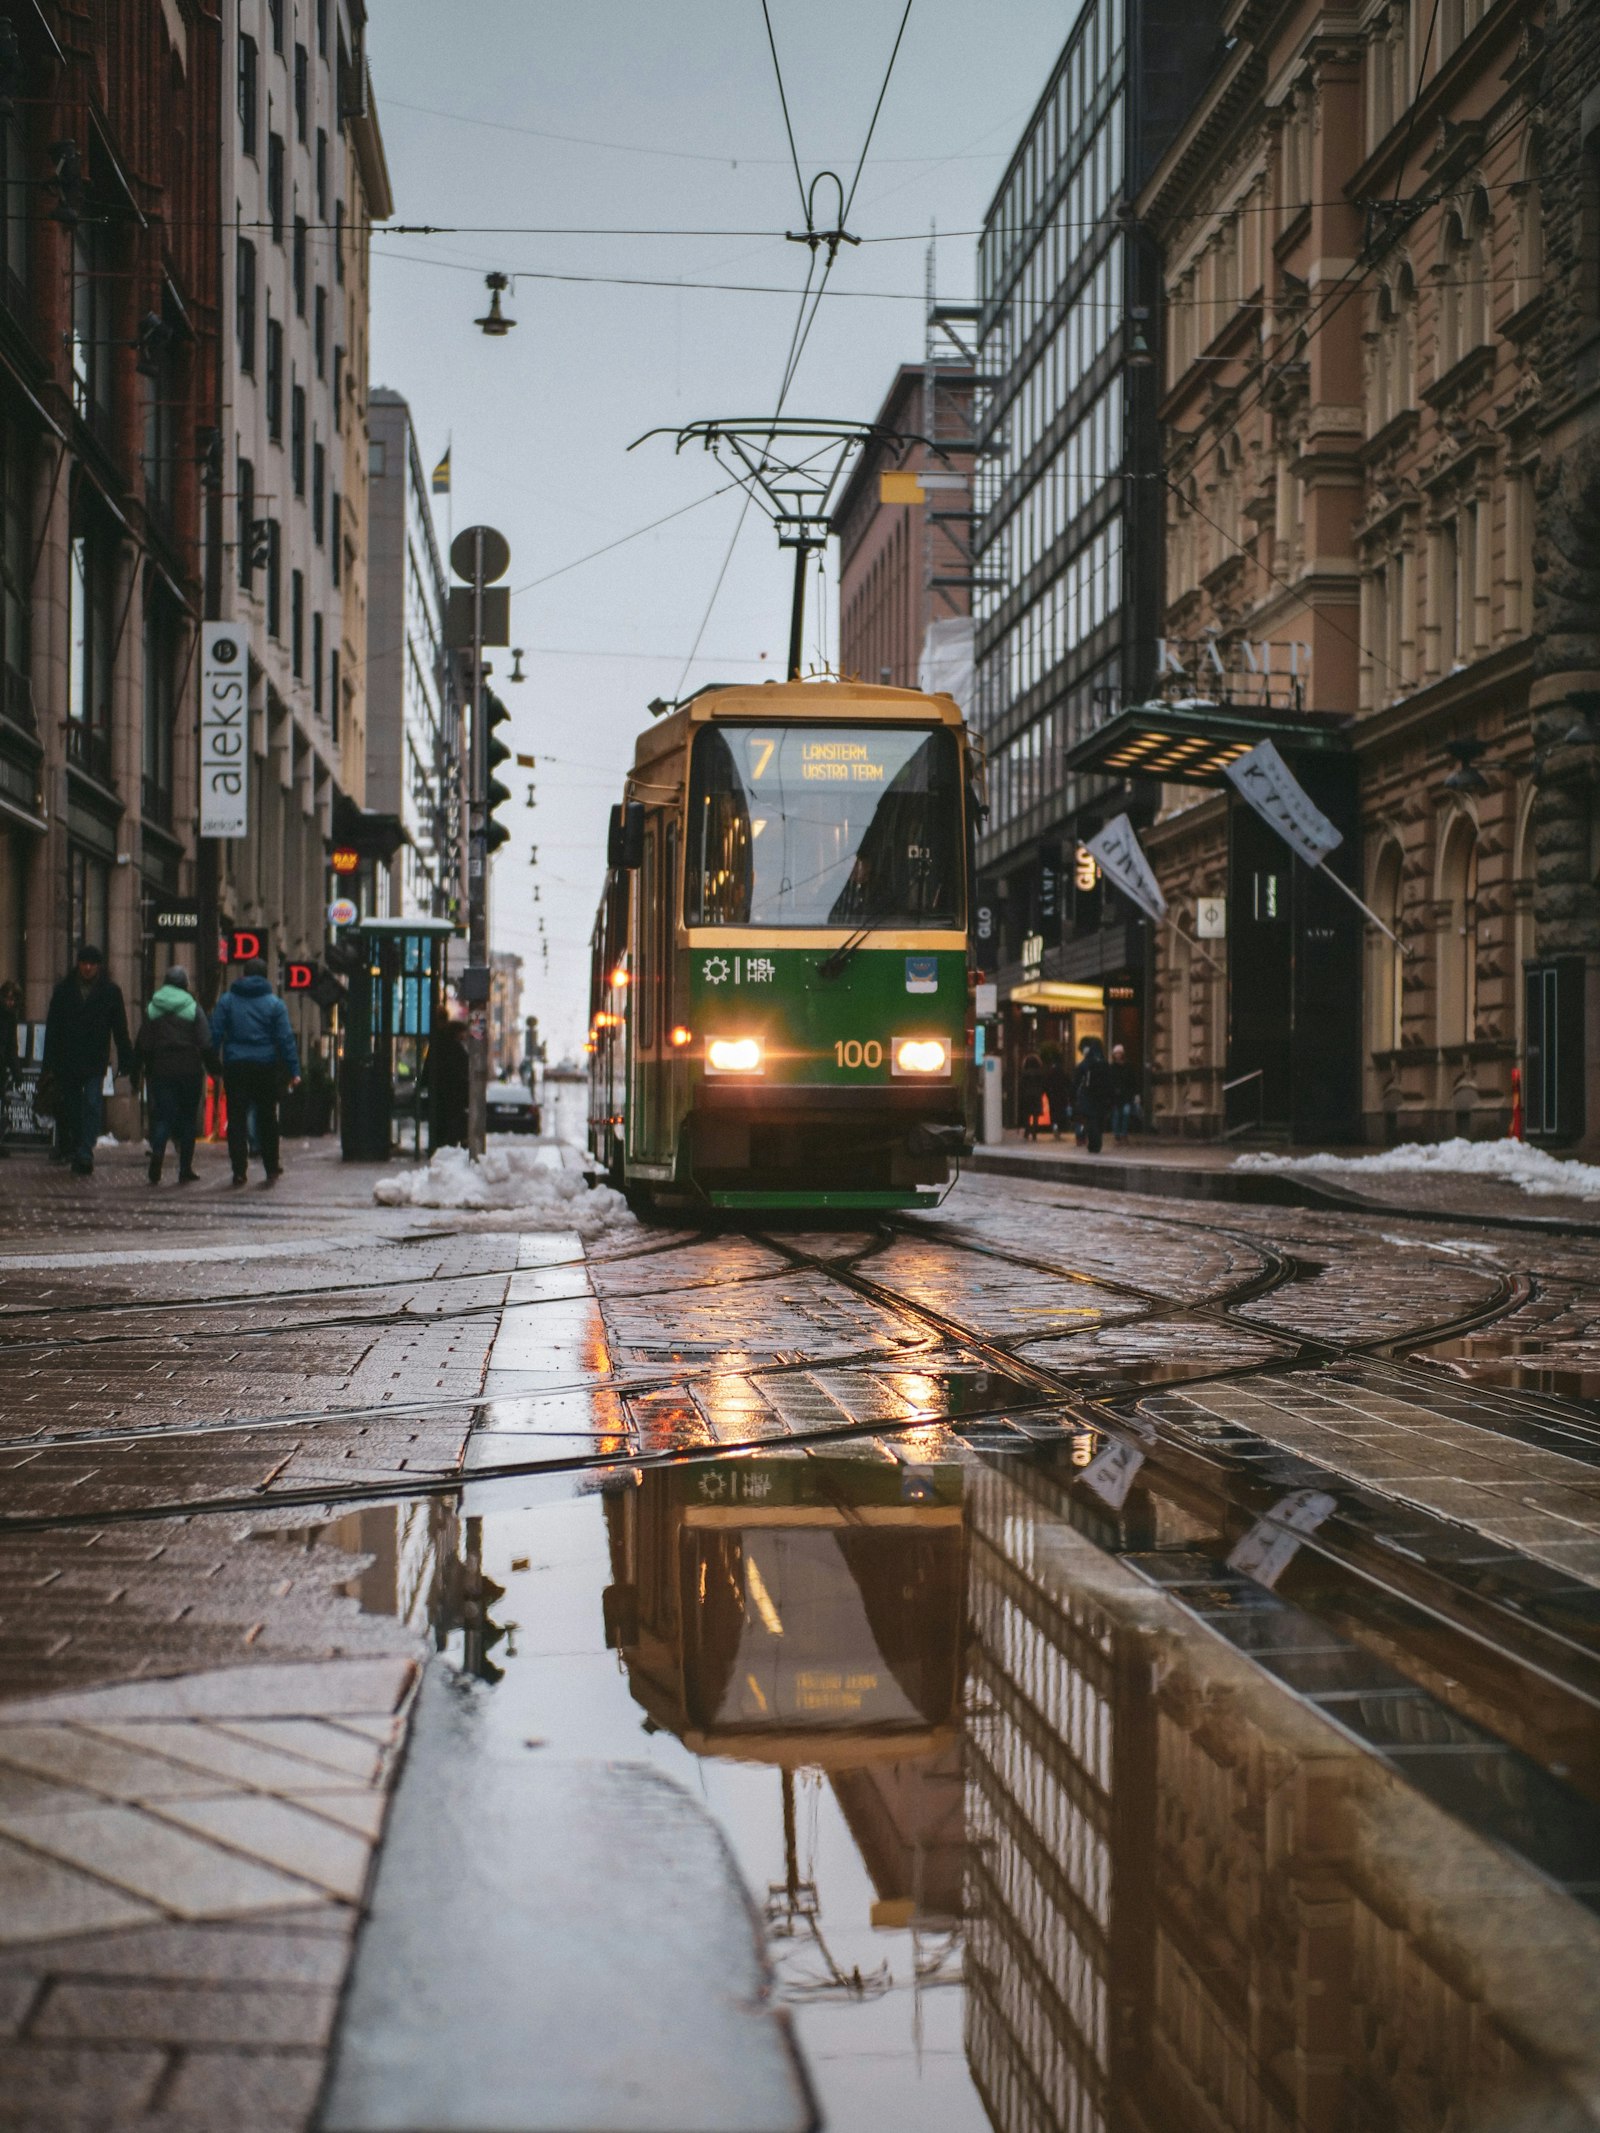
(159, 456)
(1394, 350)
(1463, 281)
(338, 388)
(274, 578)
(319, 329)
(88, 895)
(322, 27)
(336, 536)
(275, 11)
(316, 666)
(302, 92)
(92, 367)
(322, 175)
(245, 521)
(298, 264)
(275, 192)
(335, 704)
(297, 438)
(338, 242)
(246, 307)
(16, 573)
(274, 381)
(1458, 944)
(319, 475)
(160, 707)
(249, 94)
(297, 623)
(1386, 964)
(377, 457)
(89, 641)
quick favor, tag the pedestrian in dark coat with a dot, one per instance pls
(1057, 1089)
(1030, 1095)
(1091, 1092)
(87, 1019)
(174, 1044)
(448, 1077)
(251, 1031)
(10, 1022)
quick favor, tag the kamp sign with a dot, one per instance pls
(224, 731)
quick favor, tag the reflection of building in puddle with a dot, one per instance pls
(807, 1614)
(422, 1563)
(1171, 1919)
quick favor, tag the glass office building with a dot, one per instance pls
(1067, 539)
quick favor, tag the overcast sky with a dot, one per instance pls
(528, 117)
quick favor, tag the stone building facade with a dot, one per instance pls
(110, 472)
(302, 174)
(1559, 204)
(1355, 281)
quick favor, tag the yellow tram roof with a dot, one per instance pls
(859, 701)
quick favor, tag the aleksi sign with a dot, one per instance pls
(224, 731)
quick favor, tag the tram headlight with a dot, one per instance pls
(921, 1055)
(734, 1055)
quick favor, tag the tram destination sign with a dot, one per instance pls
(224, 731)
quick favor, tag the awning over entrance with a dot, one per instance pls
(1193, 743)
(1055, 992)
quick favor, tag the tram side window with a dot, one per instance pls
(824, 826)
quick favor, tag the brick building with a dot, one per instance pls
(1352, 263)
(110, 470)
(905, 544)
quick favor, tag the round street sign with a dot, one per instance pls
(342, 912)
(496, 555)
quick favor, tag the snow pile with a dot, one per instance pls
(518, 1179)
(1509, 1162)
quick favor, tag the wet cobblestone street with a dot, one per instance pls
(1139, 1659)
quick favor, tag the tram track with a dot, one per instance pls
(1375, 1562)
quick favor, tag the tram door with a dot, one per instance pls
(650, 1095)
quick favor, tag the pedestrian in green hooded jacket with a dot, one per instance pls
(175, 1046)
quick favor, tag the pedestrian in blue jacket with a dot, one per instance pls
(250, 1028)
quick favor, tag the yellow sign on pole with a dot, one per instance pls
(898, 485)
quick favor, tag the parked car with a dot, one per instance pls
(512, 1108)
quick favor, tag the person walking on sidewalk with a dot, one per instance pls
(175, 1045)
(1030, 1095)
(87, 1018)
(1124, 1095)
(10, 1023)
(1091, 1092)
(1057, 1089)
(250, 1029)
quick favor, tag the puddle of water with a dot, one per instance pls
(1521, 1362)
(986, 1835)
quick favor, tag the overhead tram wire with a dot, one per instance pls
(803, 322)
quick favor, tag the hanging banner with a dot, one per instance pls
(1270, 786)
(1124, 865)
(224, 731)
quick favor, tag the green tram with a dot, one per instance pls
(780, 999)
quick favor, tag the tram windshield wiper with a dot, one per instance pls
(832, 965)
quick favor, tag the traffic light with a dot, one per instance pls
(496, 833)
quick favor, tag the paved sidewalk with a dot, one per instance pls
(1207, 1170)
(199, 1718)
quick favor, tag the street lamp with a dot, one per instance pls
(494, 321)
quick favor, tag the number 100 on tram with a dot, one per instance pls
(780, 998)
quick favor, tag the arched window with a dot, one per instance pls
(1463, 278)
(1386, 1014)
(1457, 972)
(1528, 208)
(1393, 385)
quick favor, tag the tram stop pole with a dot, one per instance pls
(477, 616)
(478, 875)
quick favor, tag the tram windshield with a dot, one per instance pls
(824, 826)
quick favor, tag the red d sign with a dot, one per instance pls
(299, 977)
(245, 947)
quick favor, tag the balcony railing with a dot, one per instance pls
(89, 750)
